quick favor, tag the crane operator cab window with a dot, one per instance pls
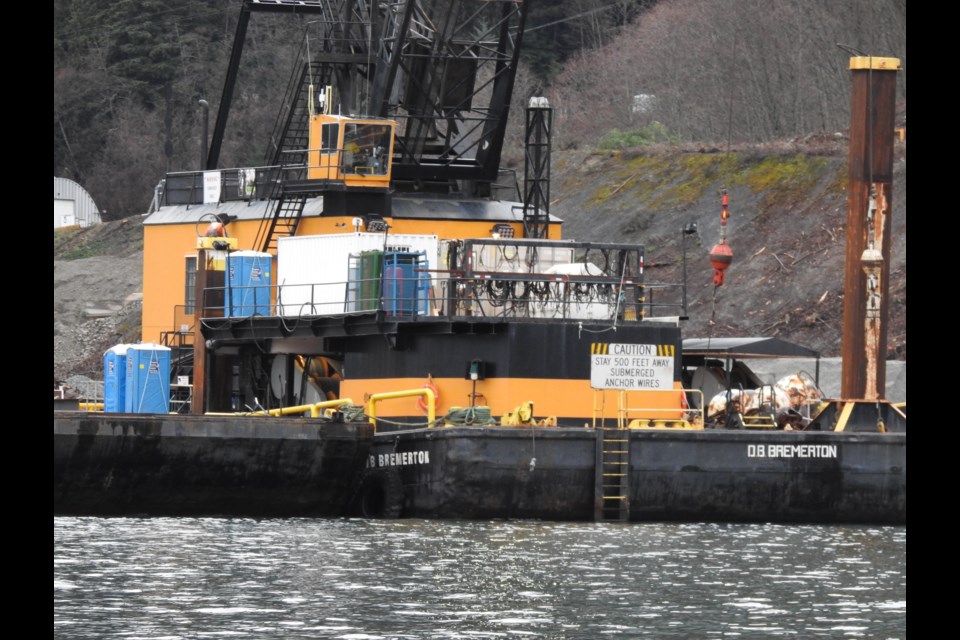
(328, 138)
(365, 149)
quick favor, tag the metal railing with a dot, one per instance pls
(262, 183)
(535, 297)
(235, 184)
(684, 415)
(181, 335)
(425, 392)
(315, 410)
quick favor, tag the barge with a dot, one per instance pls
(485, 400)
(699, 476)
(178, 465)
(362, 327)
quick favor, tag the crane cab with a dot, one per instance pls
(355, 152)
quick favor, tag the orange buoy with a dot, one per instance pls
(216, 230)
(721, 255)
(720, 258)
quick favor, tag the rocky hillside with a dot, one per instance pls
(97, 282)
(786, 229)
(788, 209)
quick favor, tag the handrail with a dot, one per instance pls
(691, 415)
(315, 409)
(391, 395)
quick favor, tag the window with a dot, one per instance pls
(190, 286)
(328, 137)
(365, 148)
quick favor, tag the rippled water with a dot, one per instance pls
(363, 579)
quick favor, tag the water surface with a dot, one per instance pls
(171, 578)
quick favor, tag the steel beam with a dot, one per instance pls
(869, 193)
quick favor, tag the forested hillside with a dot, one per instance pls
(128, 77)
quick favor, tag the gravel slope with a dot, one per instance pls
(96, 299)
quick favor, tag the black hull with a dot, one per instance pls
(769, 477)
(156, 465)
(479, 473)
(270, 467)
(720, 476)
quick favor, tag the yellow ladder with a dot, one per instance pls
(613, 476)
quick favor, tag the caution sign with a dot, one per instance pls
(631, 367)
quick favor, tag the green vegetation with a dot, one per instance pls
(784, 180)
(85, 250)
(657, 181)
(666, 181)
(653, 133)
(690, 177)
(63, 244)
(119, 237)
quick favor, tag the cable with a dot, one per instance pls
(569, 18)
(620, 294)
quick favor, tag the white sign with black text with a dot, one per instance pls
(630, 367)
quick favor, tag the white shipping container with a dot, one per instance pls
(312, 271)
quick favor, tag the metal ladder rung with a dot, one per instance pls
(613, 474)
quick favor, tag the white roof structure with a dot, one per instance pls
(72, 205)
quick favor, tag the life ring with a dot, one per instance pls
(422, 400)
(380, 494)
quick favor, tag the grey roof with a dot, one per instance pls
(403, 207)
(243, 210)
(747, 348)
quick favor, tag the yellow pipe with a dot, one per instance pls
(390, 395)
(90, 406)
(314, 409)
(674, 414)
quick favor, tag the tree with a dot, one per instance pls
(744, 71)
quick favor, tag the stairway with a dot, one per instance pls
(291, 132)
(288, 151)
(181, 366)
(283, 222)
(613, 476)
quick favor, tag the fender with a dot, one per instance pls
(380, 494)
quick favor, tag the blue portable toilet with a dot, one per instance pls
(148, 379)
(115, 378)
(402, 282)
(248, 284)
